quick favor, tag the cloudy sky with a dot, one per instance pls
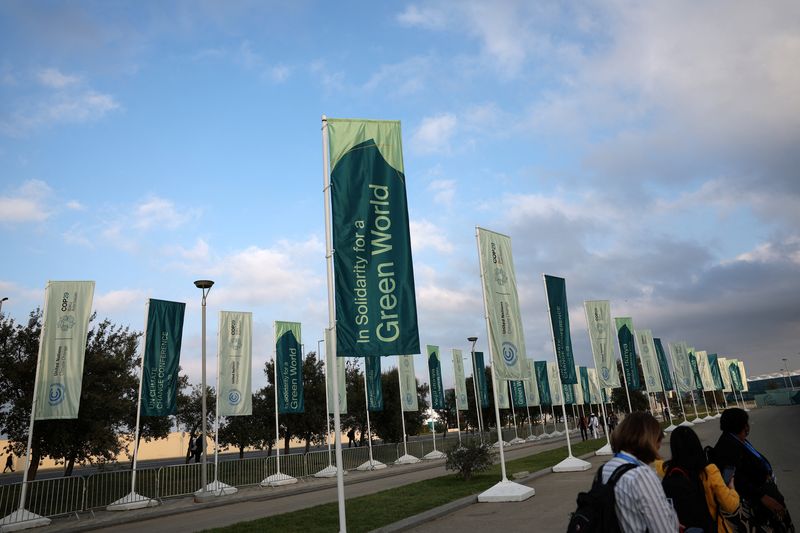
(648, 153)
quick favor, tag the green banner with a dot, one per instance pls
(503, 401)
(705, 370)
(601, 336)
(376, 307)
(698, 381)
(595, 395)
(736, 375)
(503, 317)
(743, 377)
(461, 381)
(235, 356)
(663, 366)
(647, 353)
(585, 387)
(372, 368)
(289, 367)
(518, 394)
(435, 369)
(716, 375)
(627, 350)
(59, 372)
(341, 374)
(408, 383)
(162, 354)
(556, 289)
(532, 385)
(483, 388)
(722, 362)
(542, 383)
(569, 394)
(681, 367)
(556, 392)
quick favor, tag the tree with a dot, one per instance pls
(386, 424)
(254, 430)
(190, 407)
(110, 385)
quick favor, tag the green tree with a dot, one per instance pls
(386, 424)
(256, 430)
(190, 407)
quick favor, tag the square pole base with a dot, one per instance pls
(132, 501)
(371, 465)
(432, 456)
(22, 519)
(572, 464)
(328, 471)
(407, 459)
(506, 491)
(605, 450)
(276, 480)
(213, 489)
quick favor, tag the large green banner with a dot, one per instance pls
(681, 367)
(330, 361)
(542, 382)
(595, 394)
(627, 351)
(518, 394)
(503, 318)
(722, 362)
(569, 393)
(376, 307)
(601, 336)
(704, 368)
(556, 391)
(735, 373)
(435, 370)
(67, 309)
(556, 289)
(698, 381)
(716, 375)
(235, 355)
(461, 381)
(408, 383)
(480, 372)
(372, 368)
(162, 354)
(532, 385)
(585, 387)
(647, 353)
(663, 366)
(743, 377)
(289, 367)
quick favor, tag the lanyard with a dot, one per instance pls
(759, 456)
(627, 457)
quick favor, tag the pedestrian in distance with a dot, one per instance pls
(593, 424)
(640, 502)
(763, 505)
(351, 437)
(9, 463)
(583, 425)
(198, 448)
(699, 495)
(191, 448)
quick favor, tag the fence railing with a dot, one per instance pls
(72, 495)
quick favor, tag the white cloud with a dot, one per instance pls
(422, 17)
(119, 301)
(75, 205)
(160, 212)
(425, 234)
(434, 134)
(62, 107)
(443, 191)
(200, 251)
(27, 203)
(54, 78)
(279, 73)
(403, 78)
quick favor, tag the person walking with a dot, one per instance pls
(641, 504)
(700, 496)
(198, 448)
(191, 448)
(763, 505)
(9, 463)
(351, 437)
(583, 424)
(593, 423)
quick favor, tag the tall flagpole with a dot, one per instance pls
(329, 251)
(406, 458)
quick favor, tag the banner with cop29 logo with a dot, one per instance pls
(601, 336)
(647, 353)
(556, 291)
(461, 381)
(235, 353)
(67, 308)
(503, 318)
(162, 354)
(289, 367)
(408, 383)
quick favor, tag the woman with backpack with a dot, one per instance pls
(698, 492)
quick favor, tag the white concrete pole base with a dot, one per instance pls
(670, 428)
(132, 501)
(506, 491)
(328, 471)
(407, 459)
(22, 519)
(276, 480)
(572, 464)
(434, 455)
(371, 465)
(516, 440)
(605, 450)
(216, 488)
(686, 424)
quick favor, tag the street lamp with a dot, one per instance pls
(475, 387)
(1, 304)
(205, 286)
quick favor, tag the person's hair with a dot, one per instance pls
(687, 451)
(733, 420)
(638, 433)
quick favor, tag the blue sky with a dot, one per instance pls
(646, 153)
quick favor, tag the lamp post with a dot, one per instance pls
(205, 286)
(475, 387)
(1, 304)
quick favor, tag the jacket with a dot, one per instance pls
(752, 475)
(718, 496)
(700, 504)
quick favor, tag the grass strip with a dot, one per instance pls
(366, 513)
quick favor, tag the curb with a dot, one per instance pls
(449, 508)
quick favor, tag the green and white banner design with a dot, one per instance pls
(723, 372)
(235, 352)
(705, 370)
(67, 309)
(556, 395)
(696, 378)
(461, 381)
(716, 375)
(532, 385)
(663, 366)
(556, 294)
(162, 354)
(502, 304)
(627, 351)
(372, 367)
(681, 366)
(743, 377)
(647, 352)
(594, 386)
(586, 393)
(518, 394)
(483, 387)
(502, 395)
(601, 336)
(408, 383)
(569, 393)
(435, 373)
(735, 374)
(330, 360)
(289, 367)
(376, 307)
(543, 382)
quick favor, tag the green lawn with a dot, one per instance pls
(376, 510)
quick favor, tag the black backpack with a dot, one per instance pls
(596, 510)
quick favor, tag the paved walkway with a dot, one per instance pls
(774, 431)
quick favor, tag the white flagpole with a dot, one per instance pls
(337, 427)
(622, 366)
(134, 500)
(530, 424)
(680, 400)
(513, 413)
(458, 425)
(671, 426)
(406, 458)
(278, 478)
(372, 464)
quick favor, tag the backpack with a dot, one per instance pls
(596, 510)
